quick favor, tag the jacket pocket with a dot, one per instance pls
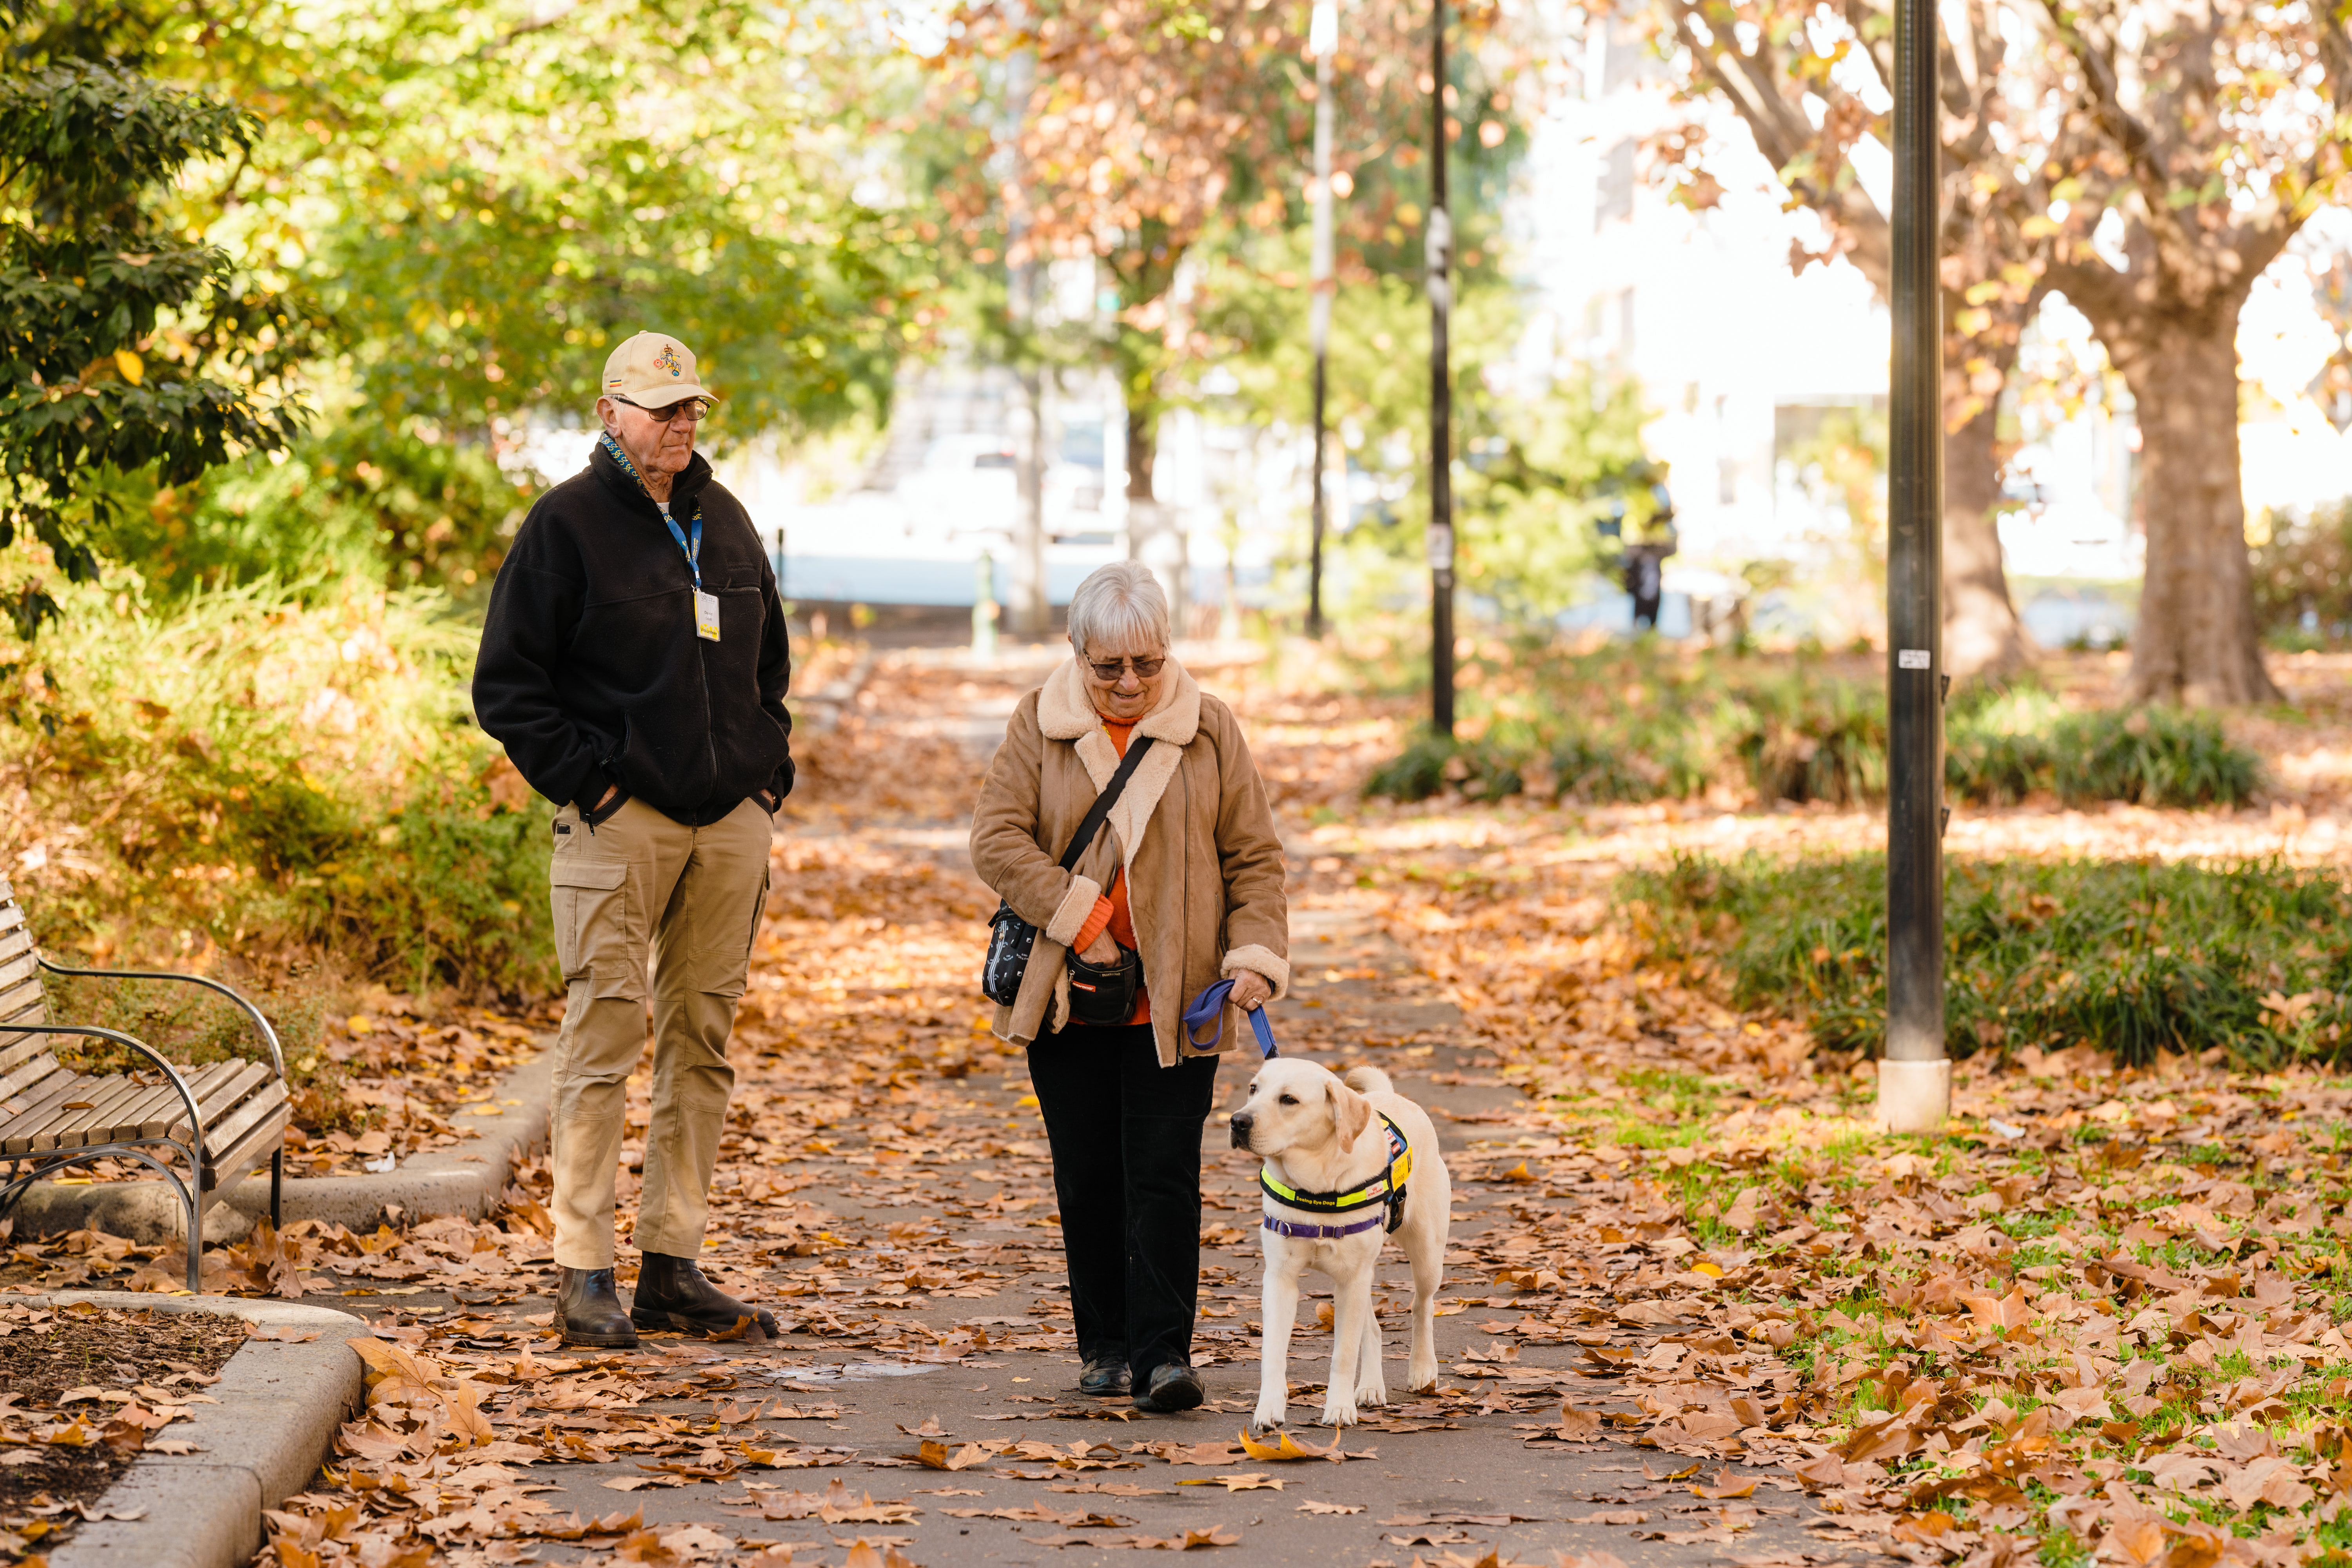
(598, 938)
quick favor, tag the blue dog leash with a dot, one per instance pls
(1208, 1009)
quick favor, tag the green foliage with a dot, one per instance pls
(283, 769)
(2002, 745)
(1635, 723)
(2131, 958)
(509, 202)
(124, 345)
(2305, 567)
(1805, 737)
(356, 499)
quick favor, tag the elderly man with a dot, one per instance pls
(634, 664)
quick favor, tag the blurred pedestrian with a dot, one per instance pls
(634, 663)
(1186, 887)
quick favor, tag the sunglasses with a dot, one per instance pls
(1145, 669)
(693, 410)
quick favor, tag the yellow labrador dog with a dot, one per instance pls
(1335, 1152)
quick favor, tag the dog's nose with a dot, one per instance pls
(1242, 1131)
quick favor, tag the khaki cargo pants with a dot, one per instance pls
(690, 898)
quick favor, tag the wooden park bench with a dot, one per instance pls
(222, 1121)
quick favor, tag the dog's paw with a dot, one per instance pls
(1372, 1392)
(1339, 1412)
(1421, 1379)
(1268, 1420)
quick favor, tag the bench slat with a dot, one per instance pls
(226, 1094)
(198, 1080)
(63, 1130)
(234, 1165)
(37, 1088)
(237, 1123)
(25, 965)
(12, 914)
(13, 939)
(16, 1136)
(146, 1116)
(224, 1085)
(26, 1072)
(98, 1124)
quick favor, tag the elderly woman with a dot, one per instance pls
(1189, 883)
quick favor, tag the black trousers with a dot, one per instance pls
(1126, 1137)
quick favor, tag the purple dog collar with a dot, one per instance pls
(1319, 1232)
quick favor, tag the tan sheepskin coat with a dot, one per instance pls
(1193, 829)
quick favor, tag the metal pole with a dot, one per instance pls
(1032, 614)
(1322, 42)
(1915, 1080)
(1438, 256)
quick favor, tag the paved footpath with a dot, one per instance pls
(1465, 1482)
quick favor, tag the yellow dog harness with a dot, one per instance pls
(1387, 1188)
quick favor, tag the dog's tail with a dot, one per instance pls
(1368, 1080)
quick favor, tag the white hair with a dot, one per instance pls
(1120, 603)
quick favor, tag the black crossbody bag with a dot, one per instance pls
(1010, 939)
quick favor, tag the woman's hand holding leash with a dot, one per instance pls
(1251, 992)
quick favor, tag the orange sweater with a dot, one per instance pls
(1111, 911)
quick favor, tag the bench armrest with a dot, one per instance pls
(269, 1035)
(195, 1115)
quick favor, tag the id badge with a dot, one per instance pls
(706, 616)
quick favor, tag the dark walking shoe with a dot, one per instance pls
(673, 1294)
(1105, 1377)
(588, 1310)
(1174, 1386)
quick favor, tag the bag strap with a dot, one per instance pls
(1100, 813)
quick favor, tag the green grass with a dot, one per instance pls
(1639, 725)
(2126, 957)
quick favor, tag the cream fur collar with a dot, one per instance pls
(1064, 714)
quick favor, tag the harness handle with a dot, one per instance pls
(1208, 1009)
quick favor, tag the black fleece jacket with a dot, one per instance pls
(590, 670)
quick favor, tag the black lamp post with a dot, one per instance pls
(1915, 1078)
(1438, 257)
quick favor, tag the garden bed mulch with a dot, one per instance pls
(83, 1390)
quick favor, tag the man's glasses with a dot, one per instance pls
(1145, 669)
(694, 411)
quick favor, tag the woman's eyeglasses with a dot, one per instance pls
(694, 411)
(1145, 669)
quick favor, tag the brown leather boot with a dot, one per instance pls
(673, 1294)
(588, 1310)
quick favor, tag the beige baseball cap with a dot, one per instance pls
(653, 370)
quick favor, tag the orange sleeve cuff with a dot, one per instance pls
(1096, 923)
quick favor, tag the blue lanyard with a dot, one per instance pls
(693, 550)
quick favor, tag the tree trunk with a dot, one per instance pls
(1142, 444)
(1982, 636)
(2196, 642)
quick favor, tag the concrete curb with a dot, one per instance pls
(280, 1405)
(468, 1180)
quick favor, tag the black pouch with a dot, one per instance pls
(1105, 992)
(1010, 938)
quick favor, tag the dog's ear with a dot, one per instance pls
(1351, 1114)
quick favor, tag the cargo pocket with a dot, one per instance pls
(595, 931)
(721, 964)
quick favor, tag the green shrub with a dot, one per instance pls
(2129, 957)
(2154, 756)
(1803, 737)
(1416, 772)
(1635, 724)
(272, 769)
